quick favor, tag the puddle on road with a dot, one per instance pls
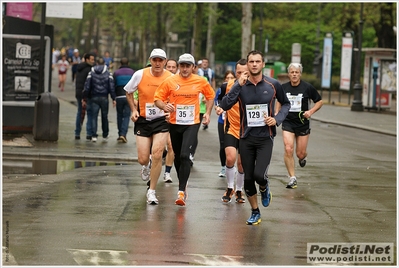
(15, 166)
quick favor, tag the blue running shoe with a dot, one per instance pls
(266, 196)
(254, 219)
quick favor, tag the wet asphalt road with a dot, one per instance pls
(97, 215)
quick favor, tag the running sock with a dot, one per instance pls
(256, 210)
(168, 169)
(230, 172)
(240, 181)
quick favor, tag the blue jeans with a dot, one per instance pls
(79, 122)
(122, 115)
(89, 128)
(97, 103)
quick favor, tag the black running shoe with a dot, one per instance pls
(302, 162)
(228, 195)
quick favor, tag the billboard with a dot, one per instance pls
(21, 65)
(346, 62)
(327, 62)
(20, 10)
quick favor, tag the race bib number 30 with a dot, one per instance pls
(256, 114)
(185, 114)
(152, 112)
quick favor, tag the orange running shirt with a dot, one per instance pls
(232, 121)
(183, 93)
(146, 84)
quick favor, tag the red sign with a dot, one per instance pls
(20, 10)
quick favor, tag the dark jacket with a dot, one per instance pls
(99, 83)
(82, 70)
(264, 92)
(121, 77)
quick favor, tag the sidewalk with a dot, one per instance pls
(339, 113)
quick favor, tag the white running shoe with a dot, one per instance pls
(93, 139)
(222, 172)
(167, 178)
(151, 197)
(145, 172)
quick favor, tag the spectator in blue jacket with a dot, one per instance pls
(99, 84)
(121, 77)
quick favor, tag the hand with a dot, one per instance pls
(243, 78)
(135, 116)
(114, 103)
(270, 121)
(206, 119)
(169, 108)
(219, 110)
(307, 114)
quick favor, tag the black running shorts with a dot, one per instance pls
(145, 128)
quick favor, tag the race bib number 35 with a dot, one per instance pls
(185, 114)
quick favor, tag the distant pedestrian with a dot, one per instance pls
(109, 61)
(257, 94)
(178, 96)
(75, 61)
(207, 72)
(99, 85)
(82, 70)
(63, 66)
(296, 126)
(150, 126)
(55, 56)
(121, 77)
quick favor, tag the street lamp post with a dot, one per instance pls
(357, 104)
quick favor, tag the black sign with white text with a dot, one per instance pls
(21, 63)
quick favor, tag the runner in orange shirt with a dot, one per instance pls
(231, 141)
(150, 128)
(178, 96)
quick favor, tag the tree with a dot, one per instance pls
(198, 30)
(212, 17)
(246, 23)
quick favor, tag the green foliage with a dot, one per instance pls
(228, 41)
(283, 23)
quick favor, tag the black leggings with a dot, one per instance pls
(258, 153)
(183, 139)
(222, 152)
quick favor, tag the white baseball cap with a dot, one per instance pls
(158, 53)
(187, 58)
(75, 50)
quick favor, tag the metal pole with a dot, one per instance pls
(42, 51)
(357, 104)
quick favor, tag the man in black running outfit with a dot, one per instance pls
(296, 126)
(256, 95)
